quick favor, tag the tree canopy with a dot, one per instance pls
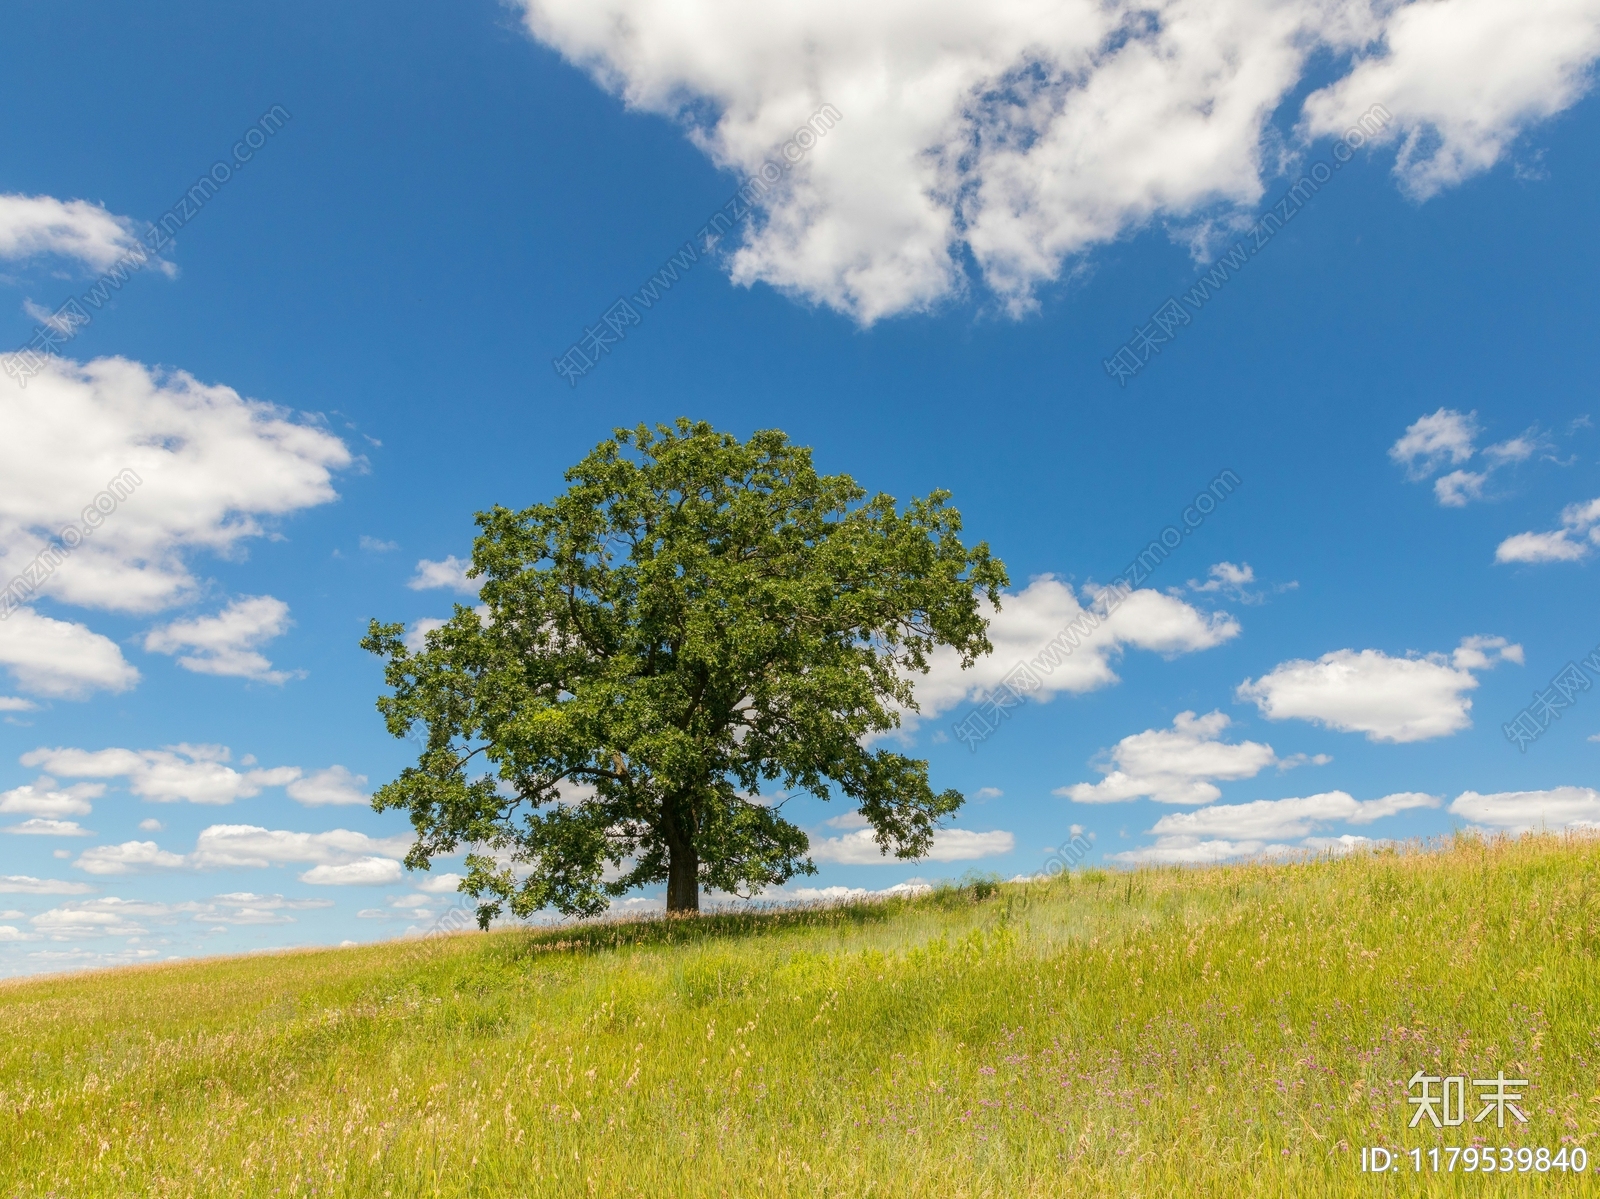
(695, 629)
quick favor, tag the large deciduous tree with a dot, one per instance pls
(694, 628)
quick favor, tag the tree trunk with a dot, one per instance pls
(683, 877)
(683, 858)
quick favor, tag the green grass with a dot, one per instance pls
(1231, 1031)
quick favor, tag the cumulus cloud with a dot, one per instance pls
(1273, 828)
(416, 638)
(1388, 699)
(112, 916)
(1232, 580)
(440, 884)
(1273, 819)
(1573, 541)
(41, 827)
(1465, 77)
(226, 644)
(1068, 644)
(364, 872)
(196, 466)
(450, 574)
(1187, 851)
(25, 884)
(59, 659)
(1446, 436)
(1175, 765)
(177, 773)
(44, 798)
(1449, 438)
(335, 785)
(128, 858)
(835, 894)
(337, 857)
(247, 907)
(1019, 135)
(32, 226)
(860, 848)
(109, 917)
(1530, 811)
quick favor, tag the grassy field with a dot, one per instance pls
(1231, 1031)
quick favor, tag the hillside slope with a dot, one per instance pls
(1229, 1031)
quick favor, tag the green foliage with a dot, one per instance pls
(694, 624)
(1233, 1032)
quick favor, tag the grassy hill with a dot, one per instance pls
(1229, 1031)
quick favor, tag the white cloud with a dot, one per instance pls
(24, 884)
(1464, 77)
(10, 703)
(335, 785)
(11, 933)
(127, 858)
(988, 793)
(1528, 811)
(43, 799)
(109, 919)
(245, 907)
(834, 894)
(416, 638)
(1272, 819)
(245, 845)
(1485, 653)
(227, 642)
(38, 225)
(1573, 541)
(40, 827)
(338, 856)
(1187, 851)
(84, 959)
(1455, 489)
(1021, 134)
(849, 820)
(1232, 580)
(1175, 765)
(198, 468)
(376, 545)
(112, 916)
(151, 825)
(451, 573)
(59, 659)
(860, 848)
(1029, 627)
(1388, 699)
(183, 772)
(440, 884)
(364, 872)
(1447, 436)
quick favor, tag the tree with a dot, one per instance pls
(694, 619)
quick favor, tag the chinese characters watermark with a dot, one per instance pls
(1530, 723)
(1165, 321)
(1028, 676)
(597, 340)
(1448, 1108)
(61, 326)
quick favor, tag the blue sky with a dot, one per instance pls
(449, 197)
